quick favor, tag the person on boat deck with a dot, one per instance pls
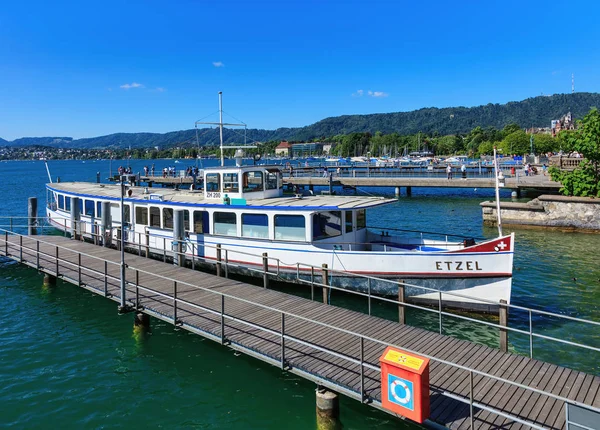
(463, 170)
(449, 171)
(325, 172)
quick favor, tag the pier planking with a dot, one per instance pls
(262, 339)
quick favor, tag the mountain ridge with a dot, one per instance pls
(535, 111)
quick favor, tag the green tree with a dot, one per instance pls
(584, 181)
(516, 142)
(545, 143)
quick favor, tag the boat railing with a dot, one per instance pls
(359, 360)
(308, 274)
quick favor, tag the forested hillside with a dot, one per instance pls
(536, 111)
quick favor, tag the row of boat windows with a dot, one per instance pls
(286, 227)
(251, 181)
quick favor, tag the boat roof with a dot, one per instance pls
(196, 198)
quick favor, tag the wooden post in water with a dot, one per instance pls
(265, 259)
(325, 282)
(106, 224)
(503, 314)
(178, 234)
(49, 280)
(401, 309)
(32, 216)
(75, 218)
(328, 409)
(218, 259)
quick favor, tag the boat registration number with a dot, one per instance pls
(213, 195)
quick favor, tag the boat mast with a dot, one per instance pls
(497, 192)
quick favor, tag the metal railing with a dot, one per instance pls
(261, 265)
(103, 277)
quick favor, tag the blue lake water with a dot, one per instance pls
(68, 359)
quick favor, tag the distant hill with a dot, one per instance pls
(535, 111)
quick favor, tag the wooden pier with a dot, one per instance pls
(471, 386)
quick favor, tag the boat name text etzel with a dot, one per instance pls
(457, 265)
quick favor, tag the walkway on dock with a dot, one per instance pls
(331, 346)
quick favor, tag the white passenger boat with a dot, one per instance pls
(244, 210)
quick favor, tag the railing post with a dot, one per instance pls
(226, 263)
(105, 278)
(362, 369)
(6, 243)
(218, 259)
(265, 259)
(503, 311)
(530, 335)
(175, 303)
(312, 283)
(471, 398)
(37, 254)
(326, 283)
(164, 250)
(282, 341)
(222, 319)
(401, 298)
(440, 309)
(57, 261)
(79, 269)
(11, 225)
(369, 293)
(137, 289)
(20, 248)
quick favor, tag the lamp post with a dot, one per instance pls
(123, 306)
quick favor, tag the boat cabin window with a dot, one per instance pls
(213, 182)
(141, 215)
(80, 205)
(255, 225)
(116, 212)
(98, 209)
(168, 218)
(186, 220)
(225, 223)
(154, 217)
(272, 179)
(89, 208)
(327, 224)
(253, 181)
(61, 201)
(290, 227)
(199, 221)
(348, 221)
(230, 183)
(361, 219)
(67, 203)
(127, 211)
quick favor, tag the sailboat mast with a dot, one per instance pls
(221, 126)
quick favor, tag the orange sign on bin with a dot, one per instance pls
(405, 384)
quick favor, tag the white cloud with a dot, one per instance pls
(358, 93)
(218, 64)
(378, 94)
(160, 89)
(131, 85)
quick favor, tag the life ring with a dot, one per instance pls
(402, 400)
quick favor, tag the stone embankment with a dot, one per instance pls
(561, 212)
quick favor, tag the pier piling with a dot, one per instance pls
(178, 234)
(265, 259)
(141, 322)
(503, 314)
(401, 309)
(325, 282)
(328, 409)
(106, 224)
(75, 218)
(49, 280)
(32, 216)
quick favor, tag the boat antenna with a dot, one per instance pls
(497, 192)
(221, 124)
(48, 170)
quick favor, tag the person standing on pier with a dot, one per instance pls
(449, 171)
(463, 171)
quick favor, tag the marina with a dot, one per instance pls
(471, 385)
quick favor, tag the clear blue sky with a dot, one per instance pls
(85, 69)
